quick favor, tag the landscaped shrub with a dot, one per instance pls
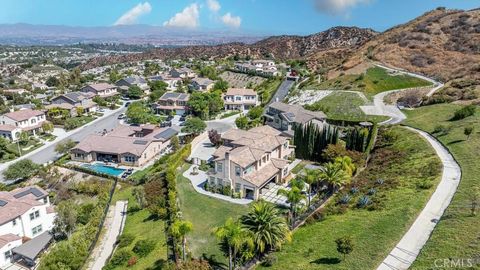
(345, 199)
(372, 191)
(143, 247)
(424, 184)
(354, 190)
(380, 181)
(227, 191)
(464, 112)
(363, 201)
(270, 260)
(120, 257)
(132, 261)
(125, 240)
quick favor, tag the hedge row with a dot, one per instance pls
(174, 162)
(73, 252)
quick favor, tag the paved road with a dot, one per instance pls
(380, 108)
(282, 91)
(114, 225)
(407, 250)
(47, 153)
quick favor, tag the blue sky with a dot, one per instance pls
(257, 16)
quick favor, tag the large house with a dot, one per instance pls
(133, 80)
(183, 73)
(284, 116)
(201, 84)
(26, 217)
(126, 145)
(240, 99)
(171, 82)
(27, 120)
(101, 89)
(172, 102)
(73, 101)
(265, 68)
(250, 160)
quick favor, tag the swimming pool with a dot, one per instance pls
(100, 168)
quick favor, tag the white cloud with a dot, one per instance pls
(213, 5)
(231, 21)
(337, 7)
(131, 16)
(188, 18)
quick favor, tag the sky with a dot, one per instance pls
(246, 16)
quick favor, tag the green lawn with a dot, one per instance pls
(29, 147)
(457, 235)
(374, 232)
(140, 225)
(374, 81)
(344, 106)
(205, 213)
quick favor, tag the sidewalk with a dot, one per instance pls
(114, 224)
(406, 251)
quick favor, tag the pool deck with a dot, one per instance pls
(110, 164)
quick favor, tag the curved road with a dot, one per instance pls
(406, 251)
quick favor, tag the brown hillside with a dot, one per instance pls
(444, 44)
(337, 41)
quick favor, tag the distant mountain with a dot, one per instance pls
(27, 34)
(338, 41)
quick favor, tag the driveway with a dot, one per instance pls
(199, 180)
(47, 153)
(406, 251)
(114, 224)
(282, 91)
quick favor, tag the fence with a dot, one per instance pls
(100, 226)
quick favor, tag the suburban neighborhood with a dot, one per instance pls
(215, 141)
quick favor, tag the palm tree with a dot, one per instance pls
(235, 237)
(294, 197)
(179, 229)
(334, 175)
(346, 164)
(310, 177)
(268, 228)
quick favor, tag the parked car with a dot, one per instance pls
(169, 118)
(122, 116)
(182, 118)
(101, 110)
(127, 103)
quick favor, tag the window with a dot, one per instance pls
(36, 230)
(8, 255)
(220, 182)
(34, 215)
(264, 159)
(45, 200)
(219, 167)
(212, 180)
(238, 171)
(285, 171)
(129, 159)
(238, 187)
(285, 145)
(14, 222)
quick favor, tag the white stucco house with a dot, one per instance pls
(25, 215)
(12, 123)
